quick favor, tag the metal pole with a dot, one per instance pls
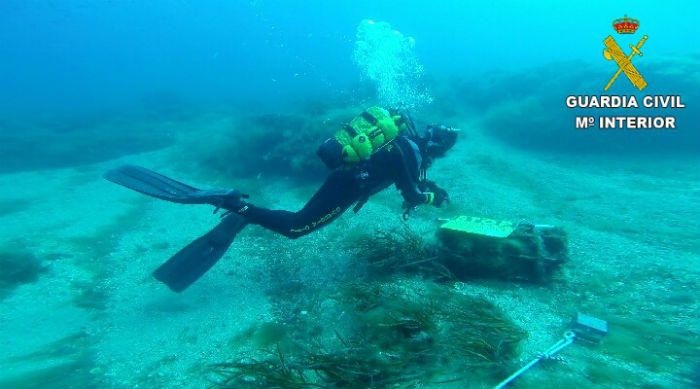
(567, 340)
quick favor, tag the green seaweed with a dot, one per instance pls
(400, 333)
(71, 374)
(278, 144)
(654, 345)
(18, 267)
(399, 251)
(70, 365)
(73, 344)
(606, 373)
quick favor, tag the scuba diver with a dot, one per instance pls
(376, 149)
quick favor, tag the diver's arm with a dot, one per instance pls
(441, 195)
(415, 191)
(424, 192)
(406, 179)
(412, 195)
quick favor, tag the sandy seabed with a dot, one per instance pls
(95, 318)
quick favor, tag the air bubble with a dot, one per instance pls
(387, 58)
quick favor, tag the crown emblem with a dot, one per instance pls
(625, 25)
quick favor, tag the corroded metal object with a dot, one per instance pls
(481, 247)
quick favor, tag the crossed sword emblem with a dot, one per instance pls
(624, 62)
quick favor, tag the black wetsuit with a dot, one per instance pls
(399, 163)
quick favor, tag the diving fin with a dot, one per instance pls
(156, 185)
(195, 259)
(150, 183)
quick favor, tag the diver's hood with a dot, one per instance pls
(439, 139)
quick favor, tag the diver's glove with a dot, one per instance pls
(439, 195)
(441, 198)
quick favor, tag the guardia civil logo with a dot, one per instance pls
(613, 52)
(606, 115)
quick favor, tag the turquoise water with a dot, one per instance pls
(240, 94)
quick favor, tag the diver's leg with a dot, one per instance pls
(338, 193)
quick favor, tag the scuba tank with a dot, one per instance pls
(366, 134)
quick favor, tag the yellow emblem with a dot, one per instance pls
(624, 62)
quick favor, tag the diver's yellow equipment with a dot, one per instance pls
(363, 136)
